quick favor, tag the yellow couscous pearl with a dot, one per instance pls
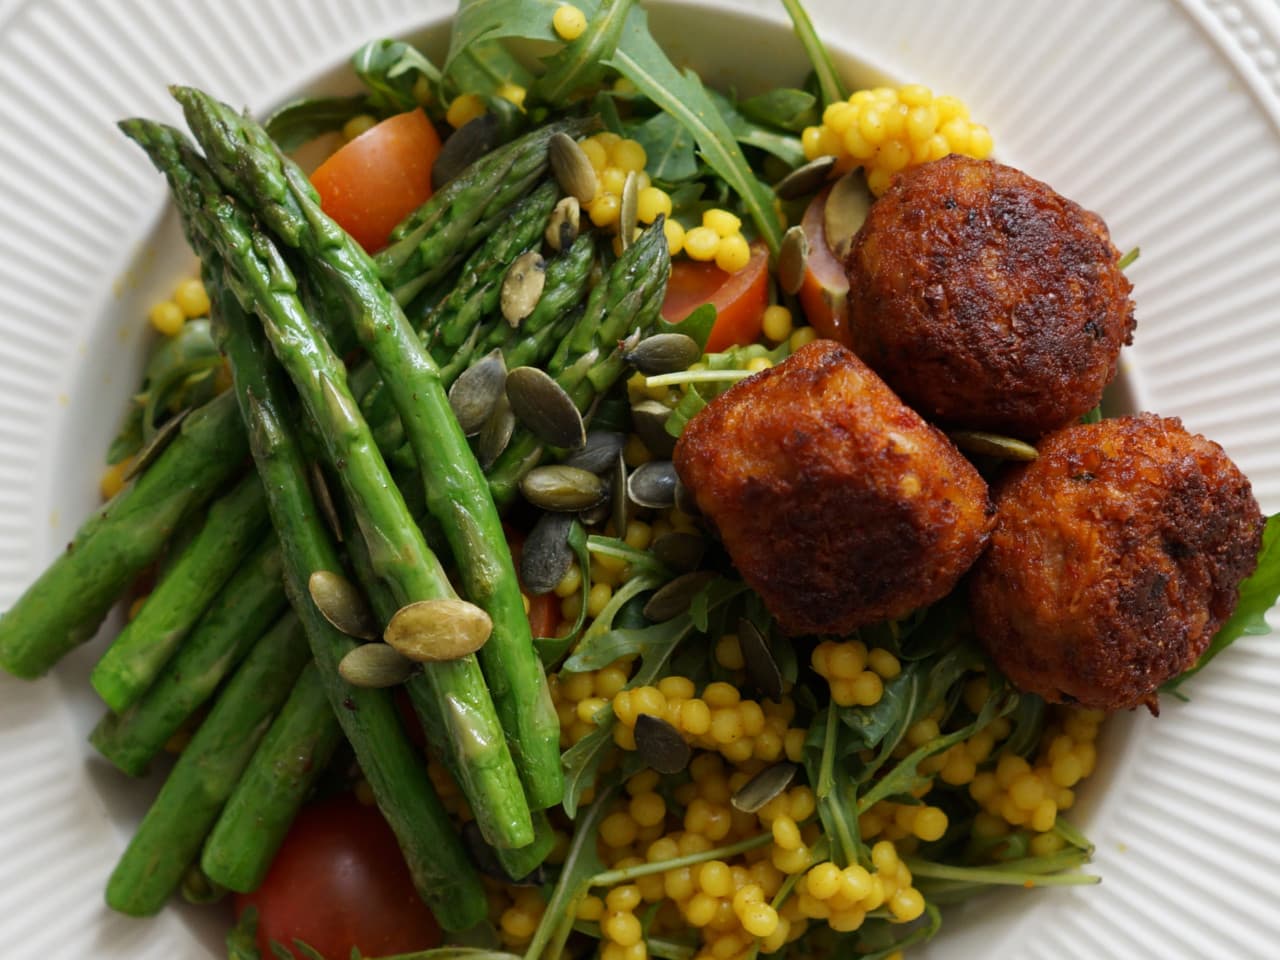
(701, 243)
(603, 210)
(612, 179)
(628, 155)
(358, 125)
(463, 110)
(906, 904)
(622, 928)
(801, 337)
(112, 480)
(724, 223)
(595, 151)
(675, 234)
(192, 299)
(598, 598)
(758, 919)
(568, 22)
(590, 908)
(777, 322)
(512, 93)
(167, 317)
(883, 663)
(623, 898)
(652, 201)
(729, 653)
(732, 253)
(930, 823)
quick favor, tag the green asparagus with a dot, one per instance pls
(65, 606)
(249, 164)
(171, 833)
(233, 526)
(245, 608)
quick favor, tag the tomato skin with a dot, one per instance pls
(339, 881)
(824, 294)
(374, 181)
(739, 298)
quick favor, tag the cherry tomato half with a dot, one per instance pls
(339, 881)
(739, 298)
(373, 182)
(824, 295)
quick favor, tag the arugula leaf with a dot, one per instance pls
(242, 939)
(301, 121)
(643, 62)
(829, 82)
(785, 147)
(599, 648)
(668, 147)
(580, 63)
(1258, 594)
(785, 108)
(484, 67)
(1028, 723)
(696, 325)
(482, 21)
(390, 69)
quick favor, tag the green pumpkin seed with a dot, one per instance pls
(763, 787)
(468, 144)
(663, 353)
(522, 286)
(805, 179)
(618, 495)
(627, 220)
(653, 485)
(660, 745)
(376, 665)
(675, 596)
(649, 419)
(324, 500)
(993, 445)
(429, 631)
(496, 433)
(846, 208)
(342, 604)
(474, 395)
(793, 259)
(572, 168)
(680, 550)
(545, 408)
(155, 446)
(564, 224)
(762, 668)
(601, 449)
(561, 488)
(546, 556)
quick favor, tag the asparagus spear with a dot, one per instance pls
(245, 608)
(276, 781)
(248, 164)
(233, 526)
(64, 607)
(588, 362)
(171, 833)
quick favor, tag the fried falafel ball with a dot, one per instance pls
(986, 300)
(838, 504)
(1116, 557)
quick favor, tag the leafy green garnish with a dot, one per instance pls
(785, 108)
(580, 63)
(1258, 594)
(301, 121)
(668, 147)
(784, 146)
(829, 82)
(644, 63)
(390, 69)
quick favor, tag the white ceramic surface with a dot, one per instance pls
(1164, 116)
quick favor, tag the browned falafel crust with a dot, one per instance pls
(986, 300)
(1116, 557)
(838, 504)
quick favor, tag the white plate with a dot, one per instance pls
(1163, 116)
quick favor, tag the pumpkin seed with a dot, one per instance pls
(597, 515)
(496, 433)
(564, 224)
(547, 556)
(660, 745)
(845, 210)
(376, 665)
(627, 220)
(793, 258)
(680, 551)
(763, 787)
(663, 353)
(324, 500)
(522, 286)
(653, 485)
(342, 604)
(155, 446)
(993, 445)
(674, 597)
(561, 488)
(474, 395)
(649, 418)
(805, 179)
(762, 668)
(685, 501)
(601, 449)
(572, 168)
(468, 144)
(429, 631)
(618, 494)
(545, 408)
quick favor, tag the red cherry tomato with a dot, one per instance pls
(739, 298)
(824, 295)
(339, 881)
(373, 182)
